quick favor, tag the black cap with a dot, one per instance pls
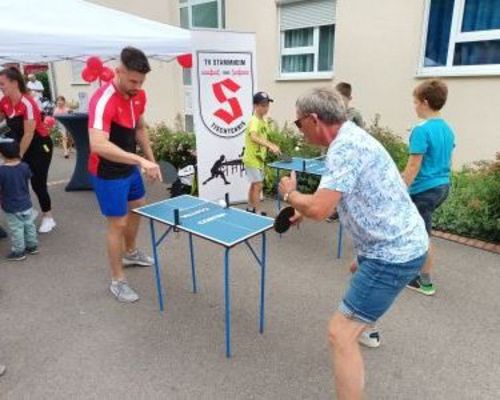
(261, 97)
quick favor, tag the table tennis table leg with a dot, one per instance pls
(227, 301)
(278, 200)
(339, 241)
(156, 265)
(262, 281)
(193, 267)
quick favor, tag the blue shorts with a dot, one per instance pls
(113, 195)
(428, 201)
(374, 287)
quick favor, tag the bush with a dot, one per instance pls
(473, 206)
(292, 143)
(394, 144)
(178, 148)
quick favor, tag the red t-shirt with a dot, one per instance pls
(117, 115)
(26, 108)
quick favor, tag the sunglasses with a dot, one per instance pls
(298, 122)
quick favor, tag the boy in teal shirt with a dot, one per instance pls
(256, 146)
(428, 171)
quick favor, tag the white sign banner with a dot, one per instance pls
(223, 86)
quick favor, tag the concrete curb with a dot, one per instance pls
(478, 244)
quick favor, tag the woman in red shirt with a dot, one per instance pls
(24, 118)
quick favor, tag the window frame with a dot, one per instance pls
(456, 36)
(189, 5)
(314, 49)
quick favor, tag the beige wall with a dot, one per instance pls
(377, 50)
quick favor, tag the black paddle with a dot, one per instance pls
(282, 221)
(286, 158)
(168, 172)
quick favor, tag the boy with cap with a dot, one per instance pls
(256, 146)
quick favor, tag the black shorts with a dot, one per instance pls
(427, 202)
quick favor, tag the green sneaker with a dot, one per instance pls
(418, 286)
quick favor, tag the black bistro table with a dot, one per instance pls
(77, 125)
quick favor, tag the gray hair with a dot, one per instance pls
(326, 103)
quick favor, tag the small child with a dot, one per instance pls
(16, 202)
(256, 146)
(428, 170)
(62, 109)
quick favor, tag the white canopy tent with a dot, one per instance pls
(34, 31)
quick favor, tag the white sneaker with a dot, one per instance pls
(123, 292)
(47, 225)
(370, 338)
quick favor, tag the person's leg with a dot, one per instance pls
(30, 235)
(114, 238)
(427, 202)
(136, 198)
(112, 197)
(254, 200)
(16, 231)
(39, 157)
(347, 361)
(64, 142)
(132, 227)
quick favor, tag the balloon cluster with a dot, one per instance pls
(185, 60)
(49, 121)
(96, 70)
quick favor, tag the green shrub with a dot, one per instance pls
(394, 144)
(473, 206)
(178, 148)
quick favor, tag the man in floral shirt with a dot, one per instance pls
(388, 233)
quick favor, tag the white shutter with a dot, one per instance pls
(306, 14)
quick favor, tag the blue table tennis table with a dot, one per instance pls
(311, 166)
(225, 226)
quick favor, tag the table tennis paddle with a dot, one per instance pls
(282, 221)
(168, 172)
(286, 158)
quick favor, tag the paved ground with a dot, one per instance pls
(64, 337)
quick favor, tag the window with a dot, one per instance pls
(307, 37)
(199, 14)
(202, 14)
(462, 37)
(76, 72)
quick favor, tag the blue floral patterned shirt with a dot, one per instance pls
(375, 205)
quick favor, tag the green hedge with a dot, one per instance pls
(473, 206)
(472, 209)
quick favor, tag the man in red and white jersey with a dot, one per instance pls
(116, 126)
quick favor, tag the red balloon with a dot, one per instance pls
(89, 75)
(94, 64)
(185, 60)
(49, 121)
(107, 74)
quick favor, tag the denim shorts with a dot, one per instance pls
(113, 195)
(428, 201)
(375, 285)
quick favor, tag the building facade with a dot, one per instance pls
(383, 48)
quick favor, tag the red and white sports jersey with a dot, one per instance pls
(113, 113)
(108, 105)
(27, 109)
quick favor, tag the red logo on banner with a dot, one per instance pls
(236, 112)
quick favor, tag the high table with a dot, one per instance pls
(77, 126)
(310, 166)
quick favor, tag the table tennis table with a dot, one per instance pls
(225, 226)
(311, 166)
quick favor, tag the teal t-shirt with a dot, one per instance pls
(435, 140)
